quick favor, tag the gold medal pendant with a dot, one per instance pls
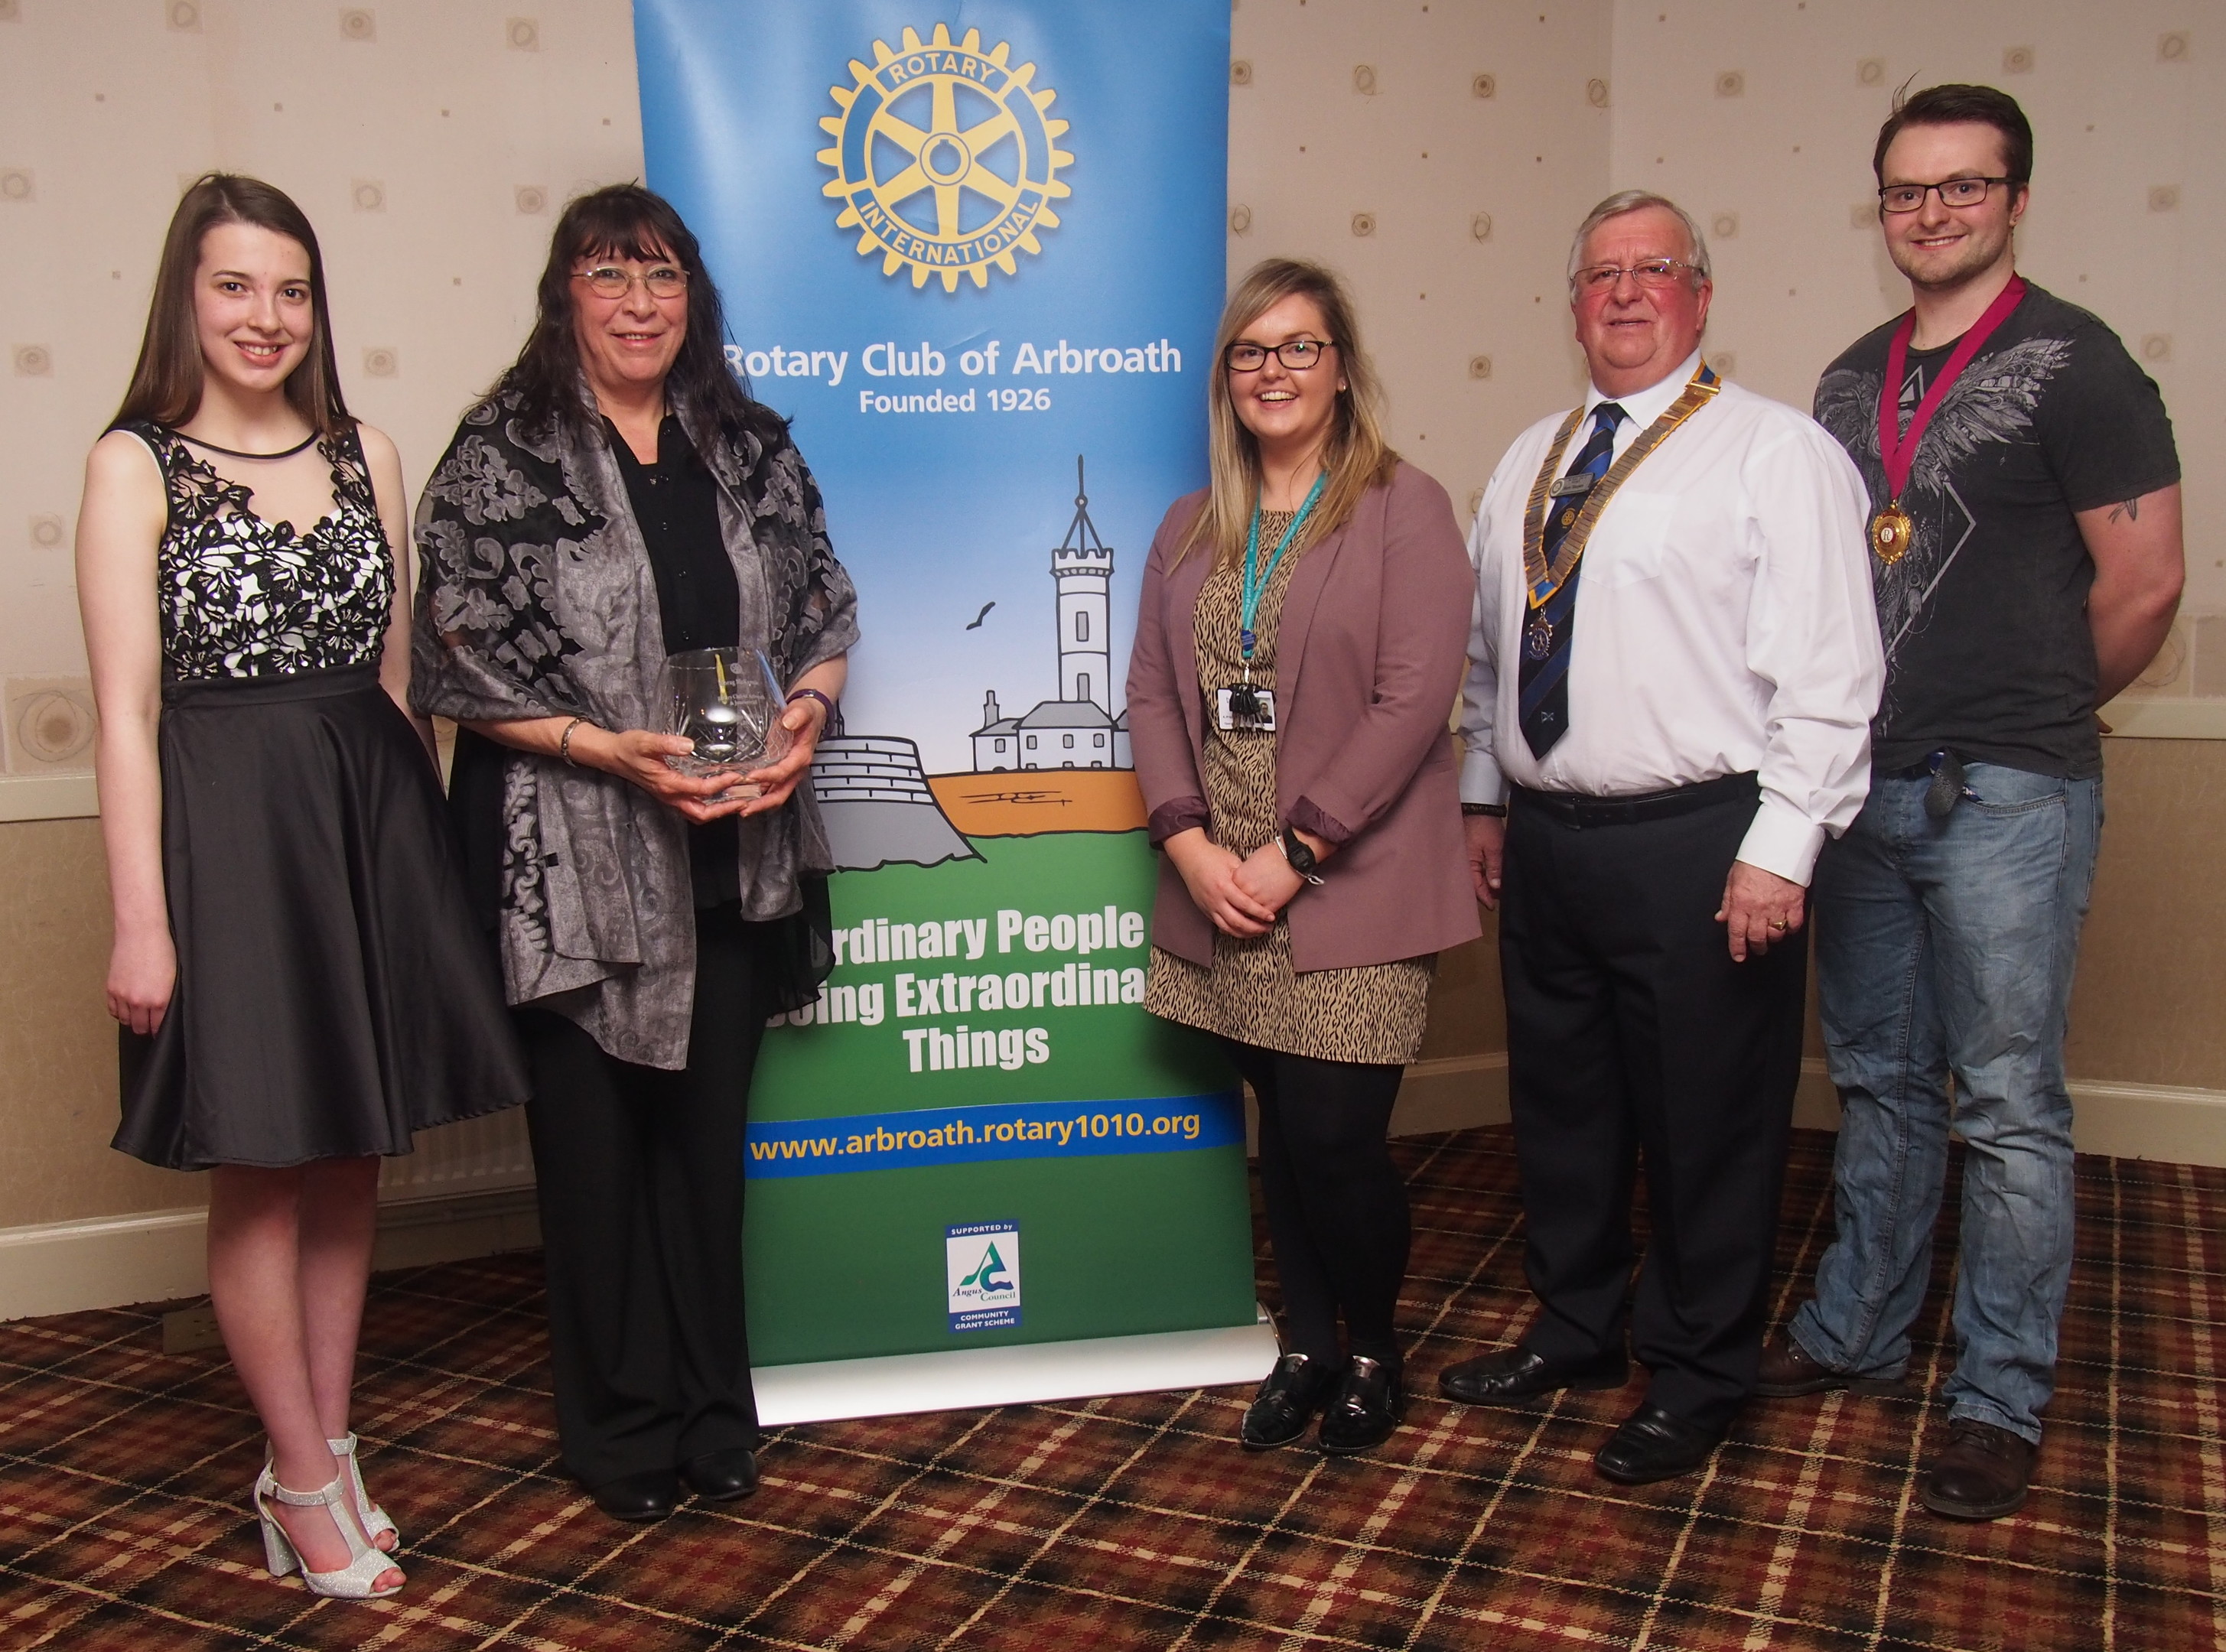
(1890, 532)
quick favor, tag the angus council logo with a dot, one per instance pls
(944, 158)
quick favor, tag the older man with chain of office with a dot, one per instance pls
(1675, 664)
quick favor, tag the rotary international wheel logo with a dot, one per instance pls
(943, 158)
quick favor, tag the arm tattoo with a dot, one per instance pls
(2131, 508)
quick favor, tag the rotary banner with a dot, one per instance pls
(977, 255)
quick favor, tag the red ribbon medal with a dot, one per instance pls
(1892, 527)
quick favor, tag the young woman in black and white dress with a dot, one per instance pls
(298, 987)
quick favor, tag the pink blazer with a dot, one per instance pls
(1368, 661)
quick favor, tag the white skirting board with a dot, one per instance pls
(61, 1267)
(163, 1256)
(157, 1255)
(1462, 1092)
(968, 1379)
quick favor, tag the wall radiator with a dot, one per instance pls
(480, 1155)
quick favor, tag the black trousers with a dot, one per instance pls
(1632, 1032)
(640, 1175)
(1336, 1207)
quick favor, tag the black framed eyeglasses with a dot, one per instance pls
(1296, 354)
(608, 280)
(1953, 192)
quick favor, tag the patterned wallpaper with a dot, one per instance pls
(1437, 151)
(430, 142)
(1440, 153)
(1759, 116)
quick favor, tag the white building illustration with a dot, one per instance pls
(876, 804)
(1077, 730)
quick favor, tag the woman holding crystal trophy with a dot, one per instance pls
(630, 608)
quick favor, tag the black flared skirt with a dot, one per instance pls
(334, 994)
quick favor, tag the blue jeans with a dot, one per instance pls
(1947, 946)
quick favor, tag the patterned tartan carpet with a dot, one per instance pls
(1135, 1521)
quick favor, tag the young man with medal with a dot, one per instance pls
(1299, 639)
(2025, 531)
(1672, 674)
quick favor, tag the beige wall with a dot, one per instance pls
(57, 1045)
(2152, 965)
(1467, 200)
(1449, 212)
(1759, 116)
(430, 146)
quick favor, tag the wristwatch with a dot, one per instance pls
(1297, 852)
(1498, 808)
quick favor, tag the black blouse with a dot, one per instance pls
(675, 505)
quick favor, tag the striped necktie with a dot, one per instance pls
(1543, 681)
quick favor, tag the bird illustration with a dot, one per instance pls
(980, 617)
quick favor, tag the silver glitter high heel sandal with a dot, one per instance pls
(359, 1578)
(372, 1518)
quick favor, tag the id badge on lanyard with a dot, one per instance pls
(1245, 706)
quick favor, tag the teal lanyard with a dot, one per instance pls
(1256, 582)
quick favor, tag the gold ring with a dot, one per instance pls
(1779, 925)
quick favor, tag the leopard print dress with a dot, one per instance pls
(1251, 992)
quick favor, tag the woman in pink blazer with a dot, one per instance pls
(1297, 656)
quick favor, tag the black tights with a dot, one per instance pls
(1337, 1208)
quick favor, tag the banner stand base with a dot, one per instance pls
(969, 1378)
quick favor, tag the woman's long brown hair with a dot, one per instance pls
(165, 385)
(1354, 454)
(625, 220)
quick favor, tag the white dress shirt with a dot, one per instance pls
(1724, 622)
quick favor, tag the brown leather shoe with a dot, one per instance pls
(1787, 1373)
(1982, 1475)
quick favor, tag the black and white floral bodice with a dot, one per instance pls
(243, 597)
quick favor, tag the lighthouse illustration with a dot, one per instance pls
(1077, 730)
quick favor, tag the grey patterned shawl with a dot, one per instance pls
(535, 599)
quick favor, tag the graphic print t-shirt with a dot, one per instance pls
(1987, 648)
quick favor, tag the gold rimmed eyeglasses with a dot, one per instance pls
(608, 280)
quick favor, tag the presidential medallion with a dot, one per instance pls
(1538, 637)
(1890, 532)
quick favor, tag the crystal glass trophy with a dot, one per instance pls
(726, 703)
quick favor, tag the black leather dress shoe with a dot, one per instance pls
(648, 1495)
(1653, 1445)
(721, 1476)
(1370, 1402)
(1515, 1376)
(1286, 1402)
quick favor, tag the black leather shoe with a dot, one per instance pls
(1515, 1376)
(1371, 1401)
(1982, 1475)
(644, 1496)
(1652, 1444)
(1286, 1402)
(721, 1476)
